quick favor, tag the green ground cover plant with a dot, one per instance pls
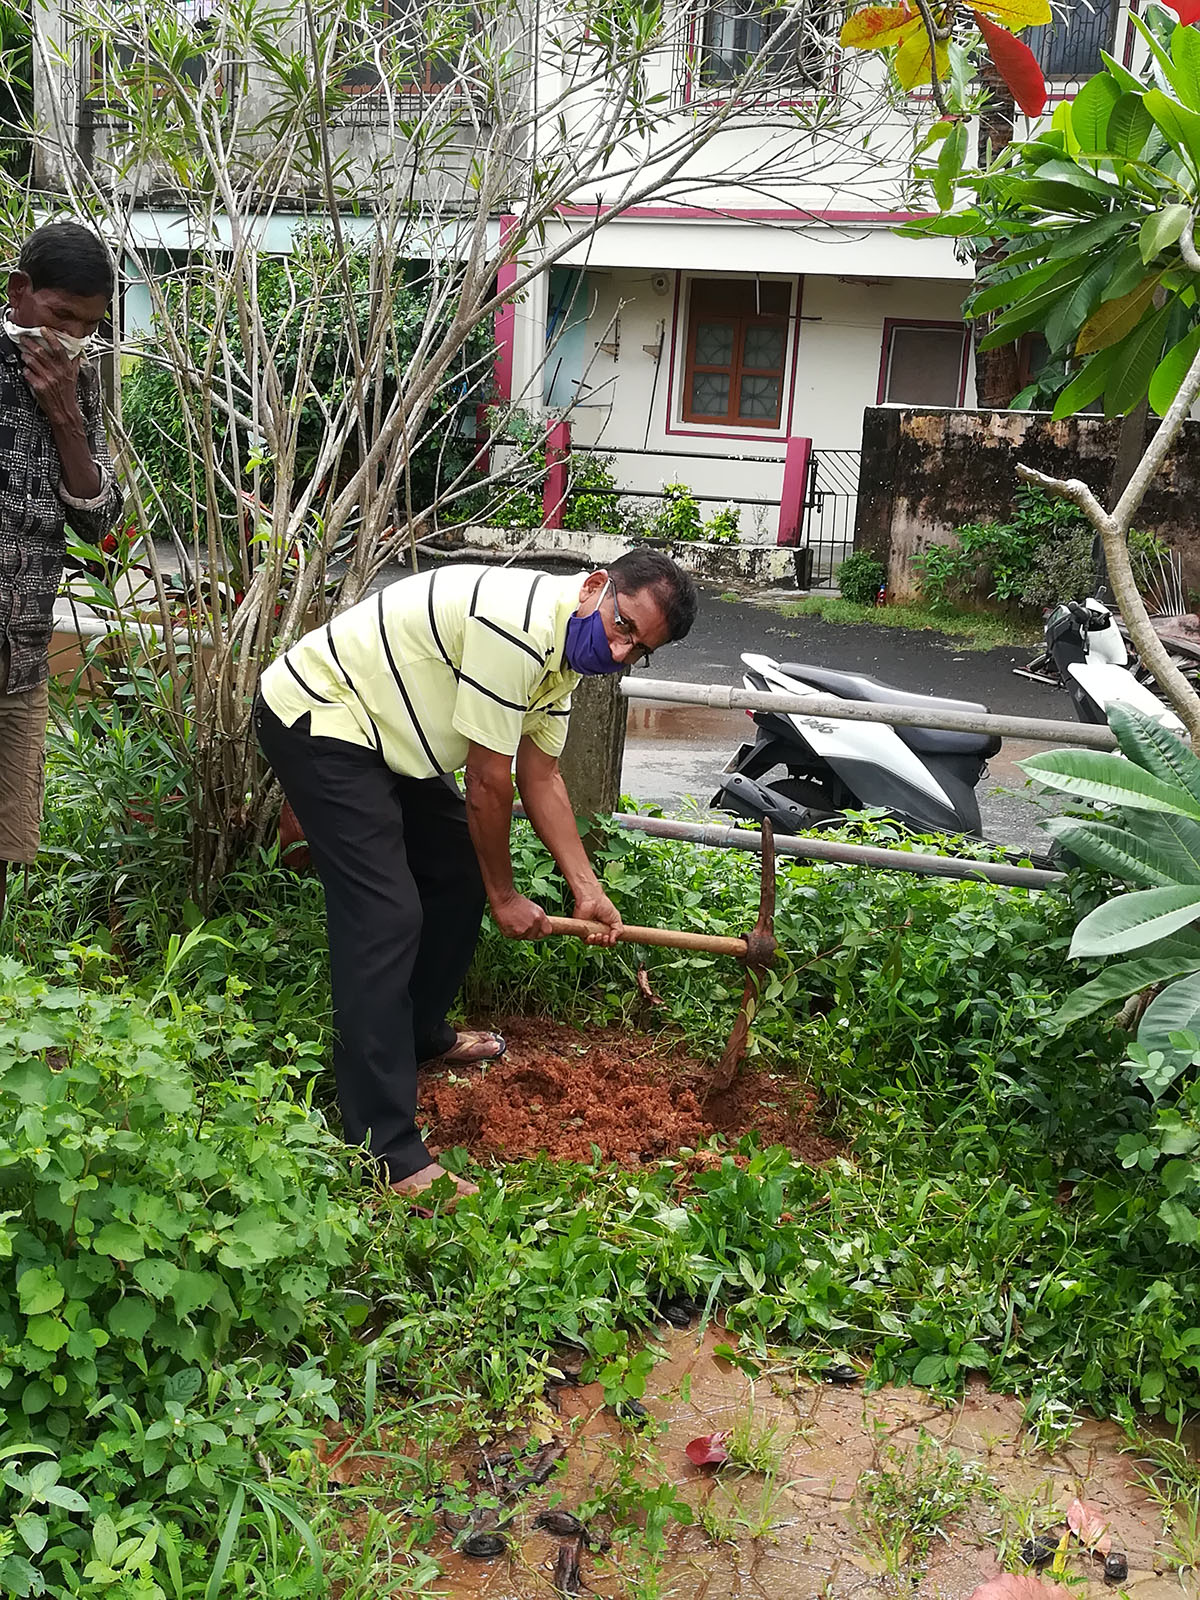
(176, 1202)
(970, 630)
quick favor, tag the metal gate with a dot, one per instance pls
(830, 506)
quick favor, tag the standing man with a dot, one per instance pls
(365, 720)
(54, 469)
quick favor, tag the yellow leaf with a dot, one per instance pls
(1112, 320)
(1014, 14)
(914, 65)
(876, 26)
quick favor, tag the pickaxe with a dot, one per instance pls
(757, 950)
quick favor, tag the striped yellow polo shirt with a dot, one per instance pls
(431, 663)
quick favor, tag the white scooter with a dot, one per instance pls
(923, 776)
(1088, 651)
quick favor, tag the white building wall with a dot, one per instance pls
(630, 400)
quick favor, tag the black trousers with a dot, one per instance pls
(403, 904)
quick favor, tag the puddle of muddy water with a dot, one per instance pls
(809, 1527)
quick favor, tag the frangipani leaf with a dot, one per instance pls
(1116, 850)
(1129, 126)
(1161, 230)
(1141, 351)
(1115, 318)
(1185, 53)
(1181, 126)
(915, 63)
(1014, 14)
(1118, 982)
(1155, 749)
(1091, 109)
(1177, 835)
(1016, 64)
(1133, 920)
(1110, 779)
(1172, 370)
(876, 26)
(1087, 384)
(1175, 1010)
(1073, 310)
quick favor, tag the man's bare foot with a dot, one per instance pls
(470, 1048)
(421, 1181)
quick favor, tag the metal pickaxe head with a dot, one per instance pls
(760, 953)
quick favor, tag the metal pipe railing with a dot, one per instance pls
(835, 851)
(724, 697)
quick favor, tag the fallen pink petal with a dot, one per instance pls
(1090, 1526)
(708, 1450)
(1014, 1586)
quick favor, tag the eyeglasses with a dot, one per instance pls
(627, 631)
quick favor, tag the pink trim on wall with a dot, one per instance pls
(506, 321)
(741, 214)
(554, 493)
(684, 430)
(791, 496)
(889, 323)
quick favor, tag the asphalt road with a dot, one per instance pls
(674, 754)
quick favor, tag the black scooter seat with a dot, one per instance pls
(931, 741)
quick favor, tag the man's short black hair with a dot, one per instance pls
(62, 255)
(673, 588)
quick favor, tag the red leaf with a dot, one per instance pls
(1011, 1586)
(1017, 65)
(293, 846)
(708, 1450)
(1188, 11)
(1090, 1526)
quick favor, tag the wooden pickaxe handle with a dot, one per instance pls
(714, 943)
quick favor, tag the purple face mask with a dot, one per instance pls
(587, 649)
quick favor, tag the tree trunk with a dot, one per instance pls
(997, 372)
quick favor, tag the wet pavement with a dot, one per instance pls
(674, 754)
(852, 1496)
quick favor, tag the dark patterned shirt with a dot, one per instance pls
(34, 508)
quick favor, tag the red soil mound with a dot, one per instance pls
(561, 1092)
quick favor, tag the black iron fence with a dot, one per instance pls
(830, 507)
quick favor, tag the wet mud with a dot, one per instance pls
(803, 1529)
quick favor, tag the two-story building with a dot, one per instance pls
(729, 331)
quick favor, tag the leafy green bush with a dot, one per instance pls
(860, 578)
(593, 501)
(1040, 557)
(724, 526)
(175, 1224)
(677, 517)
(1000, 555)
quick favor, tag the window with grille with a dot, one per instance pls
(421, 44)
(1069, 47)
(789, 42)
(924, 364)
(737, 346)
(117, 67)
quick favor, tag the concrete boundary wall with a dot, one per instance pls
(926, 472)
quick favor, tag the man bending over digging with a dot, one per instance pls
(364, 722)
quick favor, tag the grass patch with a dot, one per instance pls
(974, 630)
